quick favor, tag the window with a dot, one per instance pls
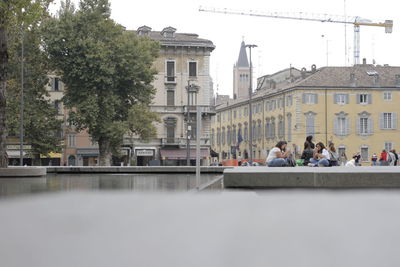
(170, 98)
(267, 129)
(254, 132)
(170, 71)
(192, 69)
(289, 127)
(272, 128)
(246, 133)
(342, 152)
(259, 131)
(228, 136)
(246, 112)
(341, 99)
(56, 84)
(364, 99)
(71, 140)
(364, 123)
(388, 120)
(364, 154)
(387, 96)
(310, 98)
(170, 133)
(212, 137)
(363, 126)
(289, 100)
(388, 146)
(281, 133)
(57, 106)
(223, 136)
(234, 140)
(341, 125)
(193, 100)
(310, 123)
(218, 136)
(234, 114)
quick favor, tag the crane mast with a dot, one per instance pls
(355, 20)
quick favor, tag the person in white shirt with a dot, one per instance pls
(321, 156)
(278, 156)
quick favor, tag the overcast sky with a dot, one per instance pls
(280, 42)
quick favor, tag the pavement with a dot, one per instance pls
(229, 228)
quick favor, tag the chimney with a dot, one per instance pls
(364, 61)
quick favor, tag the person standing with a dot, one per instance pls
(374, 159)
(391, 158)
(395, 156)
(278, 156)
(321, 156)
(383, 160)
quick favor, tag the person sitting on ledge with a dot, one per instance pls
(308, 153)
(278, 156)
(321, 156)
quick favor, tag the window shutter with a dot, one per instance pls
(381, 121)
(369, 96)
(370, 126)
(53, 84)
(358, 98)
(335, 126)
(358, 125)
(394, 120)
(315, 99)
(335, 98)
(346, 98)
(347, 126)
(304, 98)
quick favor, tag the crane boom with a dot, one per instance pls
(355, 20)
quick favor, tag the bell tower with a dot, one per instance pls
(241, 75)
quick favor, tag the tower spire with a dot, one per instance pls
(242, 62)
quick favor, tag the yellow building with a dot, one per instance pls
(353, 107)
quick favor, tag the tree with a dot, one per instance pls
(42, 129)
(15, 15)
(107, 71)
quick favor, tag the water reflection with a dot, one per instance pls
(133, 182)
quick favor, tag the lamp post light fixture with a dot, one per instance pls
(250, 46)
(21, 127)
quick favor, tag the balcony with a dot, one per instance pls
(171, 142)
(170, 79)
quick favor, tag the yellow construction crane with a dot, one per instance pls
(356, 21)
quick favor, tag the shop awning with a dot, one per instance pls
(52, 155)
(88, 152)
(13, 154)
(180, 154)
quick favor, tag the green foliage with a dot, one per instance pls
(41, 127)
(140, 120)
(107, 70)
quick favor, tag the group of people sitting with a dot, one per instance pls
(313, 155)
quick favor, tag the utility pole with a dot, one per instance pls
(21, 127)
(198, 133)
(250, 46)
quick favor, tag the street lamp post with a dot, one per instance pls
(21, 127)
(250, 46)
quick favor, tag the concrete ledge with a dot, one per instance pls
(22, 172)
(308, 177)
(136, 169)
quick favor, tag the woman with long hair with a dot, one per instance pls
(278, 156)
(333, 155)
(321, 156)
(308, 142)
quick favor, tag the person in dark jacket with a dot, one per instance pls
(308, 153)
(309, 143)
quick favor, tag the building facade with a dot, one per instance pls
(356, 108)
(183, 82)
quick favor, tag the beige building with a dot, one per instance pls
(184, 61)
(356, 108)
(78, 149)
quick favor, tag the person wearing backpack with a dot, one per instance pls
(334, 156)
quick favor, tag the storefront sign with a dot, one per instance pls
(16, 147)
(144, 153)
